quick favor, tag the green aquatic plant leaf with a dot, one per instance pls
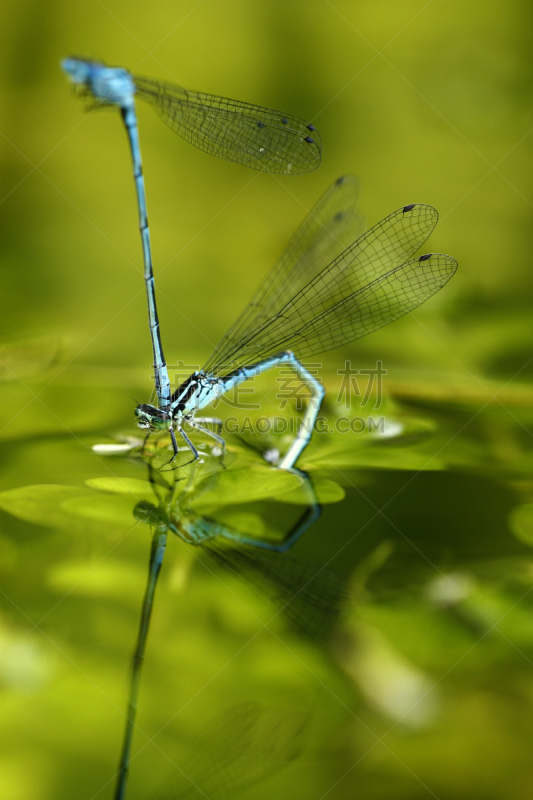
(384, 455)
(111, 509)
(326, 491)
(249, 523)
(43, 504)
(242, 486)
(116, 501)
(132, 486)
(57, 506)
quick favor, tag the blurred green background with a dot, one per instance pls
(427, 691)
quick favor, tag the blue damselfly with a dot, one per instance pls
(251, 135)
(306, 306)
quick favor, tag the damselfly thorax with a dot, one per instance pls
(193, 394)
(198, 391)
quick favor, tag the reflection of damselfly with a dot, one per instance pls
(240, 749)
(309, 597)
(308, 305)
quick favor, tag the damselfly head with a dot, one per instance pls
(78, 69)
(107, 85)
(150, 418)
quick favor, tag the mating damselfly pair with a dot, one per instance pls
(314, 299)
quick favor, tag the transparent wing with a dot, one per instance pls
(309, 597)
(378, 304)
(257, 137)
(366, 287)
(242, 748)
(333, 223)
(313, 329)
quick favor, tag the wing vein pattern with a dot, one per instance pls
(310, 306)
(257, 137)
